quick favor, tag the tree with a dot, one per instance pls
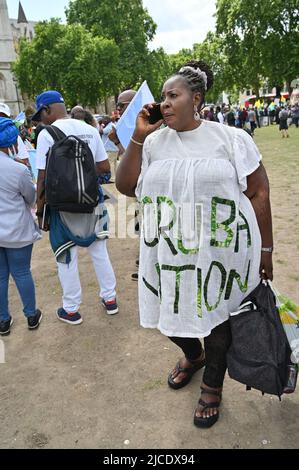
(260, 39)
(124, 21)
(210, 51)
(68, 58)
(158, 70)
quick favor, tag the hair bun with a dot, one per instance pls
(198, 66)
(200, 73)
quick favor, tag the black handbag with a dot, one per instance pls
(259, 354)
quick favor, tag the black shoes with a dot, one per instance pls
(34, 321)
(5, 327)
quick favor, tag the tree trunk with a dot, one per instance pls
(106, 105)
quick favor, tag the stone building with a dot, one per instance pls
(11, 30)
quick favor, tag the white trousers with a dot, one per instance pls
(70, 280)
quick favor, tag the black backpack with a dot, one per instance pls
(71, 182)
(259, 354)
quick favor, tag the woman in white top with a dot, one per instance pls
(206, 217)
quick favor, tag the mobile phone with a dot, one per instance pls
(155, 114)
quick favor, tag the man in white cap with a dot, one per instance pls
(22, 151)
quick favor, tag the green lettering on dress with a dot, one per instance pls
(224, 225)
(206, 285)
(156, 292)
(191, 251)
(199, 282)
(151, 288)
(234, 275)
(162, 230)
(178, 270)
(244, 226)
(147, 200)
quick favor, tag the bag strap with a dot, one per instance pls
(55, 133)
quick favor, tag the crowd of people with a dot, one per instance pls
(206, 233)
(249, 118)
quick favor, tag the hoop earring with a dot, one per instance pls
(196, 114)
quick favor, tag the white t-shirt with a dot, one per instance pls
(84, 131)
(200, 242)
(220, 117)
(22, 151)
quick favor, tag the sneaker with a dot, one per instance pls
(110, 306)
(71, 318)
(5, 327)
(34, 321)
(134, 277)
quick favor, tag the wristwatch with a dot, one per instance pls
(267, 250)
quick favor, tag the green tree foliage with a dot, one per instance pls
(158, 70)
(176, 61)
(260, 39)
(68, 58)
(128, 24)
(210, 51)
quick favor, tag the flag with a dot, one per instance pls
(20, 118)
(126, 125)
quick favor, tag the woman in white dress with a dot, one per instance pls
(206, 231)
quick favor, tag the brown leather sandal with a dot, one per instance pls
(202, 422)
(190, 371)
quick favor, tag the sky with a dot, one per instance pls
(180, 24)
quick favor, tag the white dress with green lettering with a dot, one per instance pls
(200, 242)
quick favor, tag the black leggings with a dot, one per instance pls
(216, 346)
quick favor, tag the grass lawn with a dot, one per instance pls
(281, 159)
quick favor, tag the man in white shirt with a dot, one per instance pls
(110, 147)
(51, 110)
(219, 115)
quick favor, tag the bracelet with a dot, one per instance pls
(267, 250)
(137, 143)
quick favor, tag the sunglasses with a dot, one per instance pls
(121, 105)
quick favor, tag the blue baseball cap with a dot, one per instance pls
(45, 99)
(8, 133)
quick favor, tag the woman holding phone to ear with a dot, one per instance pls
(206, 230)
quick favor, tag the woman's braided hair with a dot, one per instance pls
(198, 76)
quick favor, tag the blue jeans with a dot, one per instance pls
(16, 261)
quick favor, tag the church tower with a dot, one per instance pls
(8, 90)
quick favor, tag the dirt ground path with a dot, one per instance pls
(103, 384)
